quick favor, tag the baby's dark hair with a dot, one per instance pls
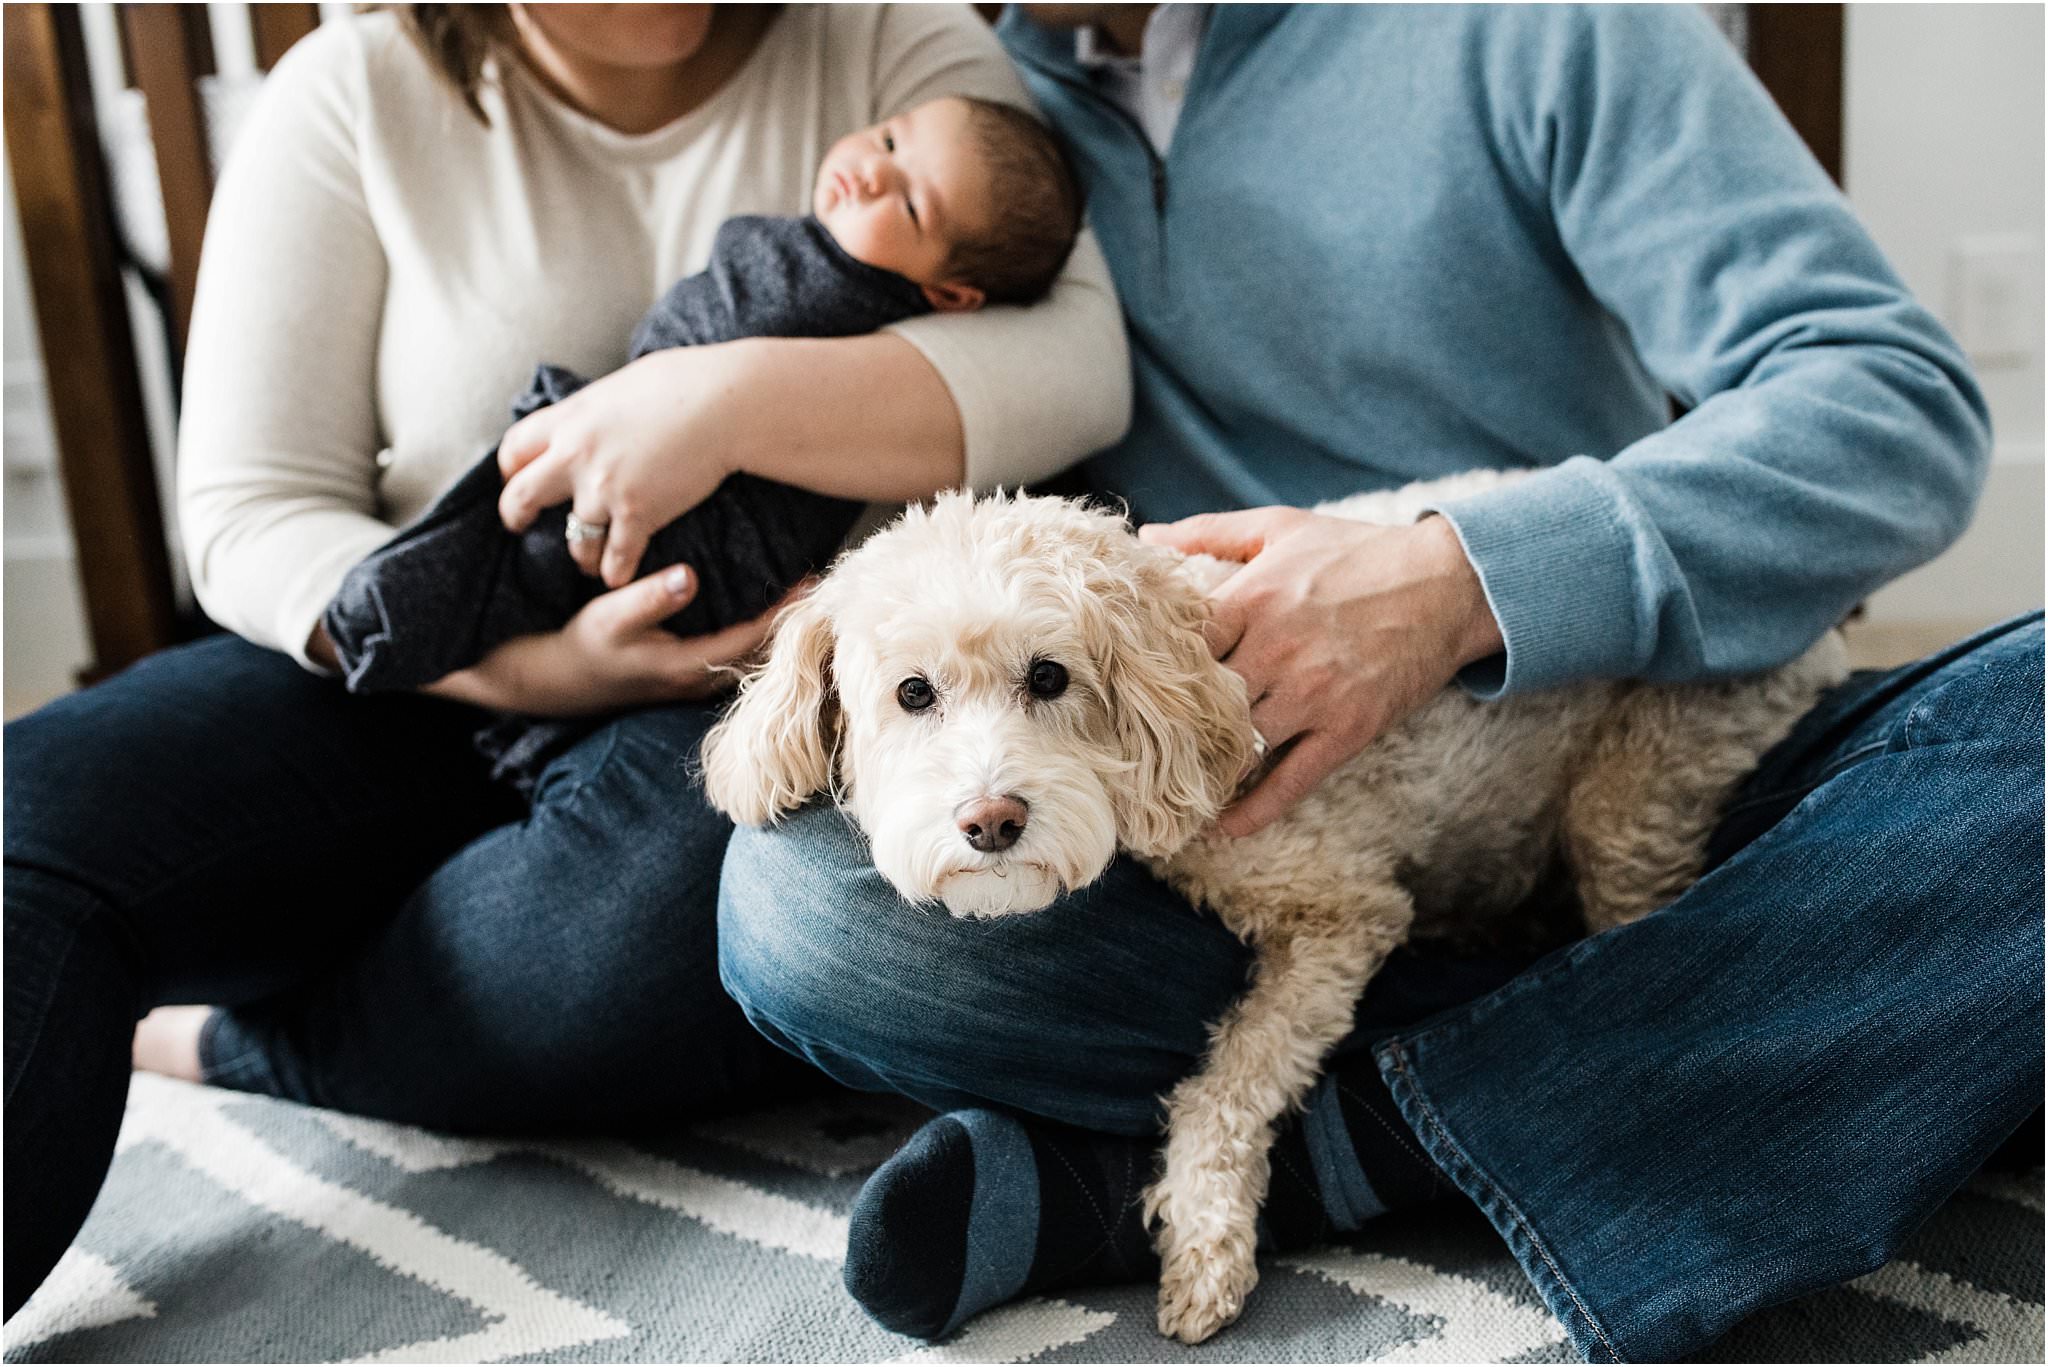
(1038, 208)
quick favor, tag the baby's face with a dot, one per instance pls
(900, 194)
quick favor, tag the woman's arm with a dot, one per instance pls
(278, 433)
(919, 447)
(277, 465)
(614, 653)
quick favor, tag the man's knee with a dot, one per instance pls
(1084, 1012)
(803, 934)
(2017, 665)
(1992, 694)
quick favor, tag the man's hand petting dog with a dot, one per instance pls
(1339, 629)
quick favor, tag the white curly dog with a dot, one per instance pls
(1004, 692)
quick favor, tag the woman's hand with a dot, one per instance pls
(613, 654)
(630, 452)
(1339, 628)
(853, 417)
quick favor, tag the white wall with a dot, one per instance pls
(1943, 157)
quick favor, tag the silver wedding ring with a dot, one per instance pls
(578, 531)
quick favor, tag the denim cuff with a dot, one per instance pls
(1588, 1337)
(233, 1057)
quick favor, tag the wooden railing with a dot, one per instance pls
(74, 265)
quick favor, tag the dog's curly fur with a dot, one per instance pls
(1460, 810)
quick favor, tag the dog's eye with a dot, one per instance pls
(915, 694)
(1048, 679)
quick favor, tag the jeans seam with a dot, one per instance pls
(121, 928)
(105, 896)
(1405, 1141)
(1493, 1189)
(1126, 1204)
(1314, 1190)
(1108, 1230)
(610, 731)
(42, 1016)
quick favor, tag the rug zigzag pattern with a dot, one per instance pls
(322, 1237)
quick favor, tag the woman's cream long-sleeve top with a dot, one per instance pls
(382, 273)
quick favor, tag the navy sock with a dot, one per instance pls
(981, 1207)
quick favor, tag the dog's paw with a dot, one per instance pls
(1203, 1285)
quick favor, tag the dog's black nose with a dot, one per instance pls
(992, 823)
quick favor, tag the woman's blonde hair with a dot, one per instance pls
(458, 39)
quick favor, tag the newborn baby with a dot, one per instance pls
(954, 204)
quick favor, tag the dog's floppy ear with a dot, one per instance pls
(773, 748)
(1180, 716)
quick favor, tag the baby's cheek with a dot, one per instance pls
(857, 238)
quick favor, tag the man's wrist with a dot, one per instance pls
(1476, 634)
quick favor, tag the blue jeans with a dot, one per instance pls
(395, 935)
(1756, 1092)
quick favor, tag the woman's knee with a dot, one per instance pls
(217, 764)
(618, 829)
(65, 940)
(1084, 1012)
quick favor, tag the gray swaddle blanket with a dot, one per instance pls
(454, 584)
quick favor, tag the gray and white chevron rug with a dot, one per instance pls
(239, 1229)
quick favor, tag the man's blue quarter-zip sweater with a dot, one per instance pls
(1389, 243)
